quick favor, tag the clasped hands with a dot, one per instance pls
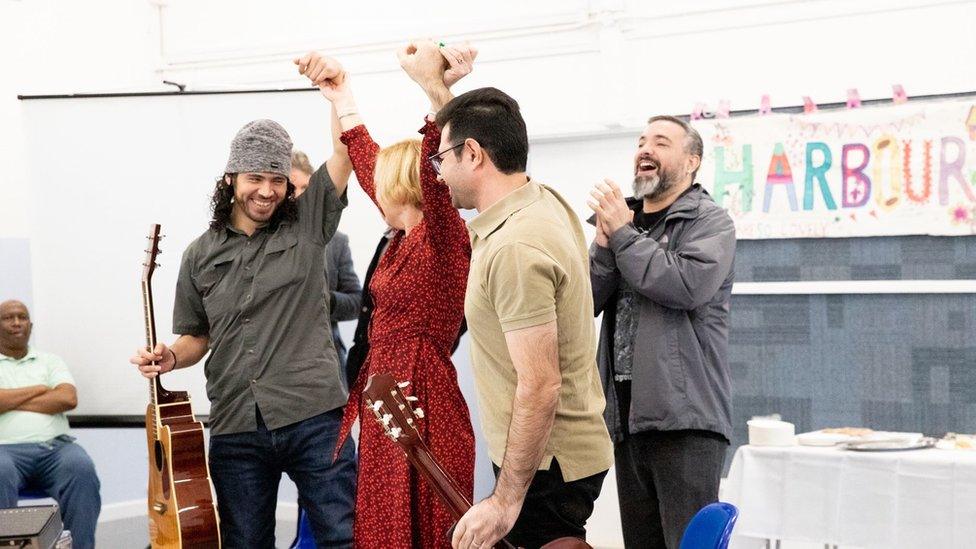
(424, 61)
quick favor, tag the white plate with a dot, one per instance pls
(889, 445)
(819, 438)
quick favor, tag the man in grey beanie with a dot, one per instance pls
(250, 291)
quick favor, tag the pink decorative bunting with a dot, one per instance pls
(808, 105)
(764, 107)
(898, 95)
(853, 98)
(698, 112)
(723, 110)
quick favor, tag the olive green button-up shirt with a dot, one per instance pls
(263, 302)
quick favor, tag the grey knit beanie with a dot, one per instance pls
(260, 146)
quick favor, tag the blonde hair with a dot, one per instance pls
(397, 173)
(299, 160)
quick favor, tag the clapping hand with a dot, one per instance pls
(610, 207)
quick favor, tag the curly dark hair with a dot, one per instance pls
(222, 204)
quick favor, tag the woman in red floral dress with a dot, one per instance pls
(418, 291)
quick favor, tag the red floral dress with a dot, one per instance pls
(418, 290)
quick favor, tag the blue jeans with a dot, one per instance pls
(62, 470)
(246, 469)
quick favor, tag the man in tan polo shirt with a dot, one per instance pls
(530, 314)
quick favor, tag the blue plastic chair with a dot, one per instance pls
(304, 538)
(711, 527)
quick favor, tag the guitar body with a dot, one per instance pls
(181, 504)
(182, 511)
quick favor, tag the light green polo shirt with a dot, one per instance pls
(18, 427)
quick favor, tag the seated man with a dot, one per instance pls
(36, 450)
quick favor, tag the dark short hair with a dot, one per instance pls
(693, 141)
(493, 119)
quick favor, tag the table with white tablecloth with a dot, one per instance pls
(907, 499)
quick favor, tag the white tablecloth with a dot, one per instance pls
(913, 499)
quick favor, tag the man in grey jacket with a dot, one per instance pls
(345, 293)
(661, 271)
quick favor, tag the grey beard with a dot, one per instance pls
(652, 187)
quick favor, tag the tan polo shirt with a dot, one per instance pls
(530, 266)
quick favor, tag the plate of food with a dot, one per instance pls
(891, 445)
(834, 435)
(953, 441)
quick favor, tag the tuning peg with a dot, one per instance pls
(419, 412)
(386, 419)
(410, 422)
(377, 405)
(412, 399)
(395, 433)
(403, 384)
(402, 406)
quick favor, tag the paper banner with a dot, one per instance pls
(871, 171)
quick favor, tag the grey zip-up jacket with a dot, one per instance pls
(682, 272)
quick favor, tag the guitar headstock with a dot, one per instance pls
(393, 410)
(149, 265)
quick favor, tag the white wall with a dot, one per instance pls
(582, 70)
(579, 68)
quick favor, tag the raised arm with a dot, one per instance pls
(339, 164)
(348, 130)
(436, 70)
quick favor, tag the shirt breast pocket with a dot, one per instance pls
(283, 265)
(208, 283)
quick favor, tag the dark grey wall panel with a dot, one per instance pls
(882, 258)
(890, 362)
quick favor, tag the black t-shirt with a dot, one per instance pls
(644, 221)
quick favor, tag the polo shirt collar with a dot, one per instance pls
(31, 354)
(495, 216)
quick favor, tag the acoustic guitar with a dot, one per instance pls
(398, 419)
(182, 509)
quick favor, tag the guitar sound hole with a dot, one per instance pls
(158, 451)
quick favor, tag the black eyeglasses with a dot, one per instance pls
(435, 159)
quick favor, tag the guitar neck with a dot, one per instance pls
(444, 485)
(149, 317)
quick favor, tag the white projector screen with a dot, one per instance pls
(103, 169)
